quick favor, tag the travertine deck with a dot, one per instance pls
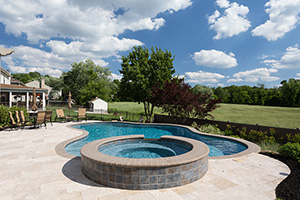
(31, 169)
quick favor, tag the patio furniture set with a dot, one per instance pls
(36, 119)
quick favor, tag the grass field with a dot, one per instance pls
(249, 114)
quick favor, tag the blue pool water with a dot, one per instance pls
(144, 149)
(217, 146)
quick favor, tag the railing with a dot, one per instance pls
(57, 103)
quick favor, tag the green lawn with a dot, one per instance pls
(249, 114)
(131, 107)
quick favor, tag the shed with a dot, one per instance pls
(98, 105)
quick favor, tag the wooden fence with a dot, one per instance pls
(279, 132)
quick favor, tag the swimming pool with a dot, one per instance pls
(99, 130)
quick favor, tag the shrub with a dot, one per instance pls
(293, 138)
(269, 146)
(4, 115)
(291, 150)
(208, 128)
(229, 130)
(258, 136)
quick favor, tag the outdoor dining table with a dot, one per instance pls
(32, 117)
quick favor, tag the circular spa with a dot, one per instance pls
(133, 162)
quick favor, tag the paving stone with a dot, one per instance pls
(31, 169)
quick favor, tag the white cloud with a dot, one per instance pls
(88, 20)
(233, 22)
(290, 59)
(181, 77)
(48, 71)
(298, 74)
(27, 59)
(215, 58)
(223, 3)
(92, 28)
(283, 17)
(259, 74)
(203, 77)
(234, 80)
(115, 76)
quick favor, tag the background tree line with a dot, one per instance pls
(287, 95)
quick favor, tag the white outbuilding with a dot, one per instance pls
(98, 105)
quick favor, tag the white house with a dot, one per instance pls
(39, 84)
(98, 105)
(18, 95)
(5, 76)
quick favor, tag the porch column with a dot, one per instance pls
(44, 101)
(27, 100)
(10, 99)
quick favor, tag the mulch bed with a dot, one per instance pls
(289, 188)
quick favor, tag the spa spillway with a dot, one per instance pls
(132, 162)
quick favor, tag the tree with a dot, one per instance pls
(95, 88)
(202, 89)
(141, 70)
(56, 84)
(26, 78)
(178, 99)
(219, 92)
(290, 92)
(82, 80)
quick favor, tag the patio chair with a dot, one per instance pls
(24, 121)
(48, 117)
(18, 117)
(13, 123)
(40, 119)
(81, 114)
(61, 115)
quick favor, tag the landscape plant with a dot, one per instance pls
(293, 138)
(177, 98)
(267, 146)
(4, 115)
(208, 128)
(291, 150)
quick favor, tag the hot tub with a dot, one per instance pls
(120, 162)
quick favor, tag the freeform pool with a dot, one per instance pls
(218, 146)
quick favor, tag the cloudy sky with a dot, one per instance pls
(215, 43)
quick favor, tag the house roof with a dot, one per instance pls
(95, 100)
(7, 87)
(5, 72)
(16, 82)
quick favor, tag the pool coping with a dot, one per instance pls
(252, 148)
(198, 151)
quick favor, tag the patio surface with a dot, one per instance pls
(31, 169)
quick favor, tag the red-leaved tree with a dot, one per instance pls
(178, 99)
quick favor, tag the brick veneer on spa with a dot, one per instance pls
(144, 174)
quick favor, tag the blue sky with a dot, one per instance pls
(215, 43)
